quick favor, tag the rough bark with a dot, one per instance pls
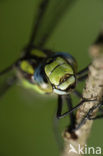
(93, 90)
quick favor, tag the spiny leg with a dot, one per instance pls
(7, 85)
(78, 94)
(82, 74)
(60, 105)
(72, 116)
(59, 115)
(89, 116)
(98, 116)
(83, 77)
(56, 124)
(83, 71)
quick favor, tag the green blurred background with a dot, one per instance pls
(26, 121)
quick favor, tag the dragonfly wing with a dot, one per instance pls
(5, 86)
(48, 15)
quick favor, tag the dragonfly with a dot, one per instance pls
(46, 71)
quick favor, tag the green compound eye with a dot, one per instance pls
(27, 67)
(57, 70)
(65, 84)
(61, 75)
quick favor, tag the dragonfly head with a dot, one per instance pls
(61, 75)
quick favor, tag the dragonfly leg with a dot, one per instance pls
(72, 116)
(7, 85)
(83, 71)
(56, 124)
(98, 116)
(60, 105)
(59, 112)
(88, 116)
(82, 74)
(59, 115)
(83, 77)
(78, 94)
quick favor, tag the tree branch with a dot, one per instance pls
(93, 90)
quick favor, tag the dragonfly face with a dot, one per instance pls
(54, 74)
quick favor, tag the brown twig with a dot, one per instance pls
(93, 90)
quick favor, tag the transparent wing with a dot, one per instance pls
(48, 15)
(7, 84)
